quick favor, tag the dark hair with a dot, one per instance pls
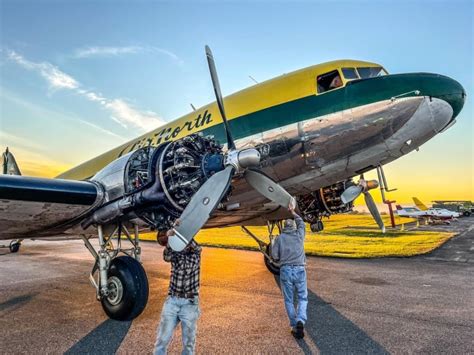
(162, 238)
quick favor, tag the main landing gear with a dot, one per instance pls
(120, 281)
(266, 248)
(14, 245)
(318, 226)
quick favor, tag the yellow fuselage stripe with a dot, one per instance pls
(277, 91)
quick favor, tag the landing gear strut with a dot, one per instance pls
(120, 281)
(266, 248)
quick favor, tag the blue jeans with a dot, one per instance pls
(175, 310)
(294, 278)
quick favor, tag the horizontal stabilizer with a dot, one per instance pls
(10, 167)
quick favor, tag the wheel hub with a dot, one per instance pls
(115, 288)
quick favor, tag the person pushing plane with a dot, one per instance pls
(182, 303)
(288, 251)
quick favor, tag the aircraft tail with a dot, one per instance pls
(399, 207)
(419, 204)
(10, 167)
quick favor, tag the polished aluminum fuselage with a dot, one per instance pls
(318, 152)
(302, 157)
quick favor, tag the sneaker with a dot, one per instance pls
(299, 330)
(293, 332)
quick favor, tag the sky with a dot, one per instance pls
(78, 78)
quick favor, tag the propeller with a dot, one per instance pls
(197, 212)
(210, 194)
(369, 201)
(363, 186)
(217, 91)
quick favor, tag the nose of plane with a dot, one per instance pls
(444, 88)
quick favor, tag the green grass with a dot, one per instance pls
(348, 236)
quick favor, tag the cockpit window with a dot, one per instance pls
(371, 72)
(350, 73)
(329, 81)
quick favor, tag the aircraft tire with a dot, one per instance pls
(14, 246)
(274, 269)
(317, 227)
(129, 286)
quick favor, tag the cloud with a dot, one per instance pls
(126, 115)
(55, 77)
(52, 114)
(122, 111)
(168, 53)
(106, 51)
(90, 52)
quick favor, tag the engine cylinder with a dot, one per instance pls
(156, 183)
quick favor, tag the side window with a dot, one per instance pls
(350, 73)
(328, 81)
(371, 72)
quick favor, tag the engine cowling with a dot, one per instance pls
(324, 202)
(153, 185)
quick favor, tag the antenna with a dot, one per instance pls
(251, 77)
(192, 106)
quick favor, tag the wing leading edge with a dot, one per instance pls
(35, 207)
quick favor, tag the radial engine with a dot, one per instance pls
(324, 202)
(152, 185)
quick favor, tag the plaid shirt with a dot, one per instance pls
(185, 269)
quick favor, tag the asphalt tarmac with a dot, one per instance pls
(397, 305)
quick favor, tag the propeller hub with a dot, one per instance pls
(242, 159)
(372, 184)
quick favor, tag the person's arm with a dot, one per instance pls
(167, 254)
(275, 249)
(300, 226)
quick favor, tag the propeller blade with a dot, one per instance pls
(268, 188)
(369, 201)
(198, 210)
(351, 193)
(217, 91)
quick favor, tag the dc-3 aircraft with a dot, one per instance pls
(304, 134)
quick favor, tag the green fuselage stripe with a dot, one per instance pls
(354, 94)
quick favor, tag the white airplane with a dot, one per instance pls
(308, 132)
(436, 212)
(430, 213)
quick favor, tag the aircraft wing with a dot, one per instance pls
(34, 207)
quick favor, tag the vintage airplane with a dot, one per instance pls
(311, 131)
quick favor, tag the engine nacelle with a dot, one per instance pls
(153, 185)
(324, 202)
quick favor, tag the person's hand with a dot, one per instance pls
(292, 205)
(177, 222)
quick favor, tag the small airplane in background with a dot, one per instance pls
(421, 211)
(435, 211)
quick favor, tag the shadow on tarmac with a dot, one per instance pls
(105, 339)
(333, 333)
(16, 302)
